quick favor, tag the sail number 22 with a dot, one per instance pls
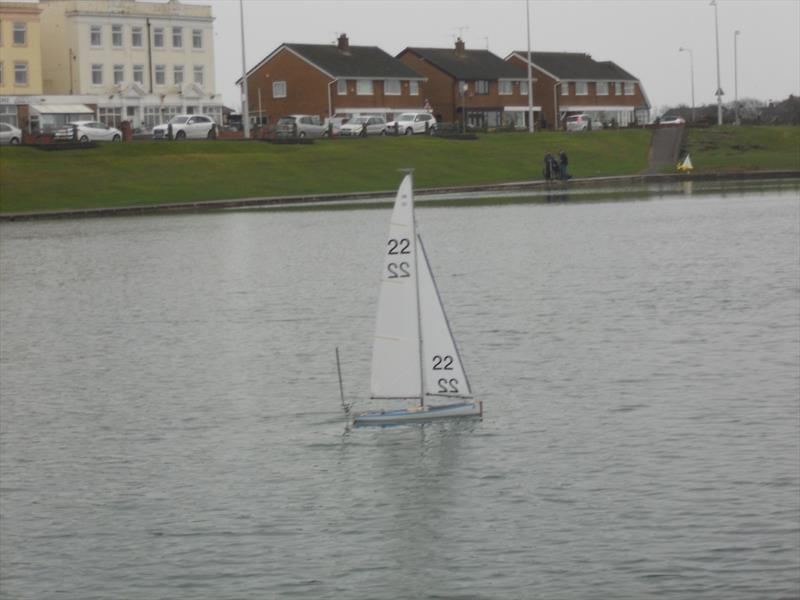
(398, 247)
(445, 363)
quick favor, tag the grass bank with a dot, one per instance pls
(146, 172)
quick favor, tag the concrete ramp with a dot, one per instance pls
(664, 148)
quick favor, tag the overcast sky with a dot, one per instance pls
(641, 36)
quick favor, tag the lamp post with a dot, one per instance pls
(691, 72)
(736, 78)
(719, 93)
(245, 110)
(530, 67)
(556, 120)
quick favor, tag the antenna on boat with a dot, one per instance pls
(345, 405)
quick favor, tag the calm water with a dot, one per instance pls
(171, 426)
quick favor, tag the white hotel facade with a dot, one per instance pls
(128, 60)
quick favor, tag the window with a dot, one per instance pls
(505, 88)
(177, 74)
(197, 39)
(20, 73)
(602, 88)
(198, 74)
(20, 34)
(279, 89)
(629, 88)
(565, 88)
(116, 36)
(119, 74)
(1, 72)
(481, 87)
(391, 87)
(161, 75)
(618, 88)
(95, 36)
(158, 37)
(136, 37)
(364, 87)
(523, 88)
(463, 88)
(341, 87)
(581, 88)
(138, 74)
(177, 37)
(97, 74)
(413, 88)
(109, 117)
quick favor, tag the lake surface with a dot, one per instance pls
(171, 427)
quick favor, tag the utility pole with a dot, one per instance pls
(736, 78)
(245, 109)
(530, 67)
(719, 93)
(691, 72)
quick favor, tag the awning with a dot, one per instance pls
(62, 109)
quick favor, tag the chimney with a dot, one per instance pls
(344, 44)
(459, 47)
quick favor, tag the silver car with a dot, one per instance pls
(10, 134)
(364, 126)
(88, 131)
(300, 126)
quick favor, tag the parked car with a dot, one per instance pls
(187, 127)
(10, 134)
(364, 126)
(671, 120)
(582, 122)
(413, 122)
(300, 126)
(88, 131)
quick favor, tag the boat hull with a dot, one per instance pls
(420, 414)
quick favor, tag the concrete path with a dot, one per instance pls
(664, 148)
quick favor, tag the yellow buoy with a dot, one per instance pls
(685, 165)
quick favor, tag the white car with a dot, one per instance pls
(671, 120)
(413, 122)
(364, 126)
(582, 122)
(10, 134)
(187, 127)
(88, 131)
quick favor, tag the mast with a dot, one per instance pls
(410, 173)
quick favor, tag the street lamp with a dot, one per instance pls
(691, 71)
(530, 68)
(736, 78)
(719, 93)
(245, 110)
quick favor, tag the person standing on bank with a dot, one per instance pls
(562, 156)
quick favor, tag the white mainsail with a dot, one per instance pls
(444, 373)
(396, 369)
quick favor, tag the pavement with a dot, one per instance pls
(665, 148)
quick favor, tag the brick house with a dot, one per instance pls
(326, 79)
(496, 90)
(569, 83)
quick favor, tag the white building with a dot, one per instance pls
(137, 61)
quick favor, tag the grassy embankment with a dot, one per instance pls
(145, 172)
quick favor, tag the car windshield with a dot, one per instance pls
(406, 117)
(178, 120)
(286, 121)
(357, 121)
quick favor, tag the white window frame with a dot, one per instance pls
(341, 87)
(481, 87)
(618, 88)
(176, 71)
(197, 39)
(119, 74)
(177, 35)
(1, 72)
(138, 74)
(116, 36)
(158, 33)
(97, 74)
(21, 68)
(413, 88)
(160, 73)
(392, 87)
(279, 89)
(581, 88)
(199, 75)
(601, 88)
(19, 29)
(630, 88)
(95, 36)
(505, 88)
(137, 35)
(364, 87)
(565, 88)
(523, 88)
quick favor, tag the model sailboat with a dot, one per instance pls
(414, 355)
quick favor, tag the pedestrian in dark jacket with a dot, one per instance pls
(564, 162)
(548, 171)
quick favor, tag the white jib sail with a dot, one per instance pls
(444, 373)
(396, 349)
